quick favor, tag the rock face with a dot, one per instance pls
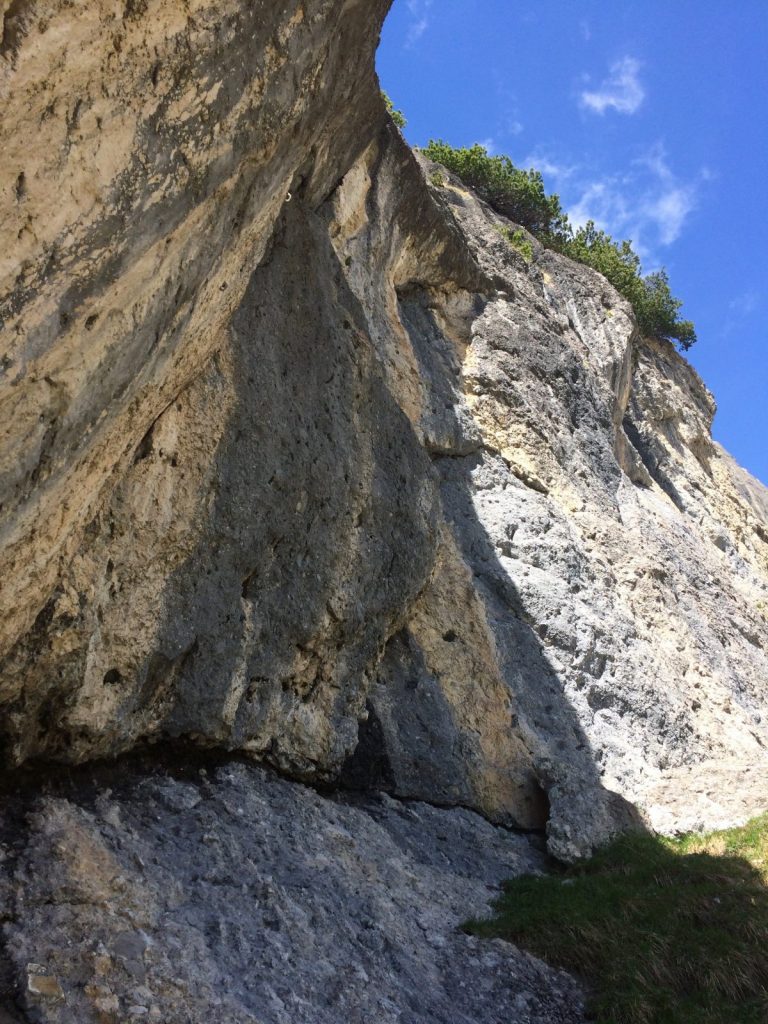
(301, 459)
(231, 896)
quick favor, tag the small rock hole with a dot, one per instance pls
(538, 803)
(144, 448)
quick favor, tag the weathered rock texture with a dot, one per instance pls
(300, 458)
(229, 896)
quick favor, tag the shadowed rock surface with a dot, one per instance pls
(226, 894)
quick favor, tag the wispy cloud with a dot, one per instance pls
(670, 210)
(745, 304)
(603, 202)
(621, 91)
(740, 308)
(419, 21)
(510, 126)
(509, 123)
(668, 207)
(489, 145)
(648, 204)
(556, 172)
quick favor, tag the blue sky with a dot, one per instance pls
(649, 116)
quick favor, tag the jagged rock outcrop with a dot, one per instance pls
(601, 558)
(300, 458)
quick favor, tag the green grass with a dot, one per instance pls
(517, 241)
(662, 931)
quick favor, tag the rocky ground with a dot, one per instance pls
(197, 891)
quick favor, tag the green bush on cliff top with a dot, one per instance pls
(517, 194)
(397, 115)
(520, 195)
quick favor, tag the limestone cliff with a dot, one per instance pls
(300, 459)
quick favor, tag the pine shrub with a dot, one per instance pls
(519, 195)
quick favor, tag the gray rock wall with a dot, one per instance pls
(300, 458)
(595, 625)
(228, 895)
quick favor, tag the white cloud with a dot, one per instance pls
(510, 126)
(621, 91)
(670, 205)
(670, 210)
(655, 159)
(489, 145)
(648, 204)
(509, 123)
(557, 174)
(739, 309)
(602, 202)
(419, 12)
(745, 303)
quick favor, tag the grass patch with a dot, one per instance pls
(663, 931)
(517, 241)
